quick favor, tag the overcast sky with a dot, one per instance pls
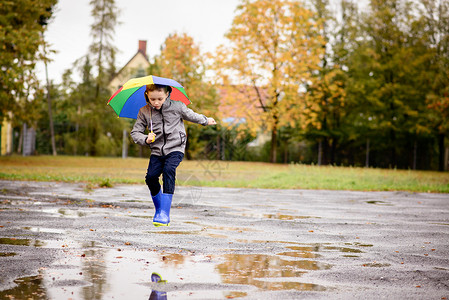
(69, 31)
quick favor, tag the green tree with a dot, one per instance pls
(95, 129)
(384, 71)
(22, 24)
(435, 29)
(102, 49)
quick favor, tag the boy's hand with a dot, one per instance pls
(211, 121)
(151, 137)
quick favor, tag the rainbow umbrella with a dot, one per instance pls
(129, 99)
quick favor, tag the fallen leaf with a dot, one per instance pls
(310, 230)
(127, 243)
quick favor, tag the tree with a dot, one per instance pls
(436, 31)
(385, 72)
(22, 24)
(273, 45)
(105, 14)
(325, 97)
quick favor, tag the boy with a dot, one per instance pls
(167, 141)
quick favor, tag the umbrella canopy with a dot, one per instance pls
(129, 99)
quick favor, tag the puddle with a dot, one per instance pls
(134, 201)
(302, 252)
(359, 244)
(376, 202)
(53, 244)
(67, 213)
(277, 216)
(45, 230)
(268, 272)
(201, 232)
(121, 273)
(17, 242)
(2, 254)
(27, 288)
(444, 224)
(376, 265)
(343, 249)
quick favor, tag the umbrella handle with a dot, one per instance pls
(154, 137)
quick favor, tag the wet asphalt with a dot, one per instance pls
(65, 241)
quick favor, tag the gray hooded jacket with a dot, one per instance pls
(168, 126)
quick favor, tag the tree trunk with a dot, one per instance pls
(273, 152)
(125, 144)
(333, 151)
(19, 146)
(320, 152)
(441, 152)
(286, 153)
(50, 114)
(367, 154)
(415, 152)
(393, 159)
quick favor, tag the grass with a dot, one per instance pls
(105, 172)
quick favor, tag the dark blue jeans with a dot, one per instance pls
(165, 165)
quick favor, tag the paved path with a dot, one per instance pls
(62, 241)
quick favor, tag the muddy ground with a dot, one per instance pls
(65, 241)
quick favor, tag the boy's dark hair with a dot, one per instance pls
(156, 87)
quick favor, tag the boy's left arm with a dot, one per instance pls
(191, 116)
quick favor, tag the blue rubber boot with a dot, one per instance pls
(157, 200)
(162, 215)
(158, 295)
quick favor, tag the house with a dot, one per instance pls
(6, 137)
(136, 67)
(245, 104)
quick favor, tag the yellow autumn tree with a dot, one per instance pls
(273, 45)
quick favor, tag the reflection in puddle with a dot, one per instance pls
(202, 233)
(2, 254)
(45, 230)
(343, 249)
(268, 272)
(64, 212)
(444, 224)
(277, 216)
(67, 244)
(87, 271)
(376, 202)
(359, 244)
(376, 265)
(27, 288)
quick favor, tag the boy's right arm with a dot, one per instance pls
(138, 132)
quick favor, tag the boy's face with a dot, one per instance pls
(157, 98)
